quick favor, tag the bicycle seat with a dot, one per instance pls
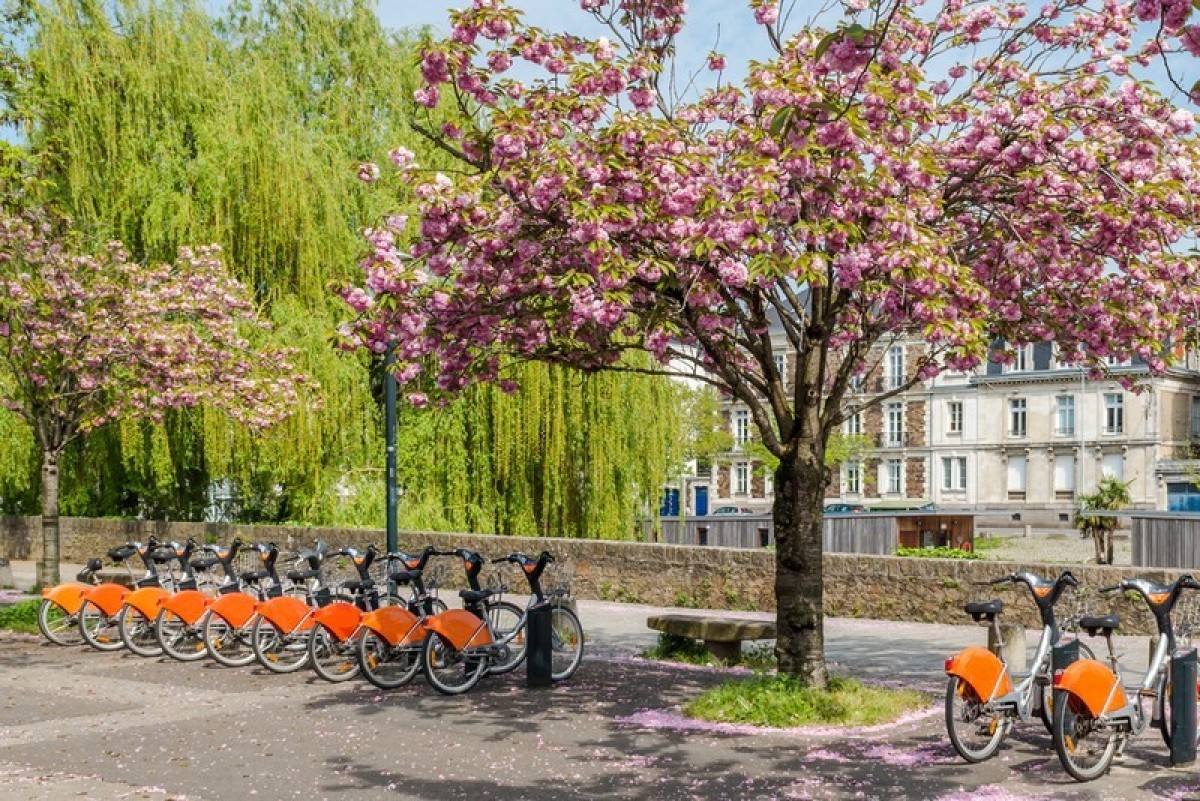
(1100, 624)
(358, 585)
(302, 575)
(203, 562)
(255, 575)
(475, 596)
(984, 610)
(149, 581)
(404, 576)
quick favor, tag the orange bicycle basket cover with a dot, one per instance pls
(69, 597)
(1089, 684)
(340, 618)
(145, 600)
(460, 627)
(286, 613)
(982, 671)
(394, 624)
(235, 608)
(188, 605)
(108, 597)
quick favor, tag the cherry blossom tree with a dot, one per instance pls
(959, 173)
(85, 340)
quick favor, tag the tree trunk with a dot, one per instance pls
(47, 569)
(1096, 542)
(1109, 536)
(799, 504)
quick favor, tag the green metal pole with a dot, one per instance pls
(389, 410)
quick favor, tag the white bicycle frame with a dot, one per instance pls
(1019, 702)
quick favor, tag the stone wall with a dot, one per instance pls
(856, 585)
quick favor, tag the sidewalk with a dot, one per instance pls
(25, 573)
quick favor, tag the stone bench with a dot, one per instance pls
(722, 636)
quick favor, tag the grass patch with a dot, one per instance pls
(674, 648)
(941, 552)
(781, 701)
(986, 544)
(20, 617)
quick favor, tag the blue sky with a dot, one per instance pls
(726, 26)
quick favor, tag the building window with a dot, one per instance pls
(1196, 417)
(1016, 478)
(853, 425)
(1022, 359)
(954, 424)
(895, 367)
(1113, 466)
(894, 432)
(781, 367)
(1064, 415)
(741, 427)
(1116, 361)
(852, 478)
(1016, 418)
(1064, 477)
(741, 478)
(954, 473)
(894, 476)
(1114, 413)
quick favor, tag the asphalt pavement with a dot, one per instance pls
(79, 724)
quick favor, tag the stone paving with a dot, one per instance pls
(78, 724)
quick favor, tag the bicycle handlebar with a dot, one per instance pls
(1113, 588)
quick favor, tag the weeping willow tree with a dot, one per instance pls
(570, 455)
(160, 124)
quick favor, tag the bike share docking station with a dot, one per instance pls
(1183, 707)
(537, 646)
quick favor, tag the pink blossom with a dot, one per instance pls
(368, 173)
(767, 13)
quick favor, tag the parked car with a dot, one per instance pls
(845, 509)
(722, 511)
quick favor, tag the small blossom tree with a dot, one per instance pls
(961, 173)
(85, 340)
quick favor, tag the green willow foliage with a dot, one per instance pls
(154, 122)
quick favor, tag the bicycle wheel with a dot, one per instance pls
(137, 632)
(503, 619)
(276, 651)
(177, 639)
(1046, 708)
(1084, 746)
(332, 659)
(384, 666)
(566, 643)
(98, 629)
(57, 625)
(228, 645)
(448, 669)
(975, 730)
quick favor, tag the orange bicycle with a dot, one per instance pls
(58, 612)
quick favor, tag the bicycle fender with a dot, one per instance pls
(108, 597)
(395, 624)
(1088, 684)
(188, 605)
(982, 671)
(146, 600)
(341, 619)
(235, 608)
(461, 628)
(68, 597)
(286, 613)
